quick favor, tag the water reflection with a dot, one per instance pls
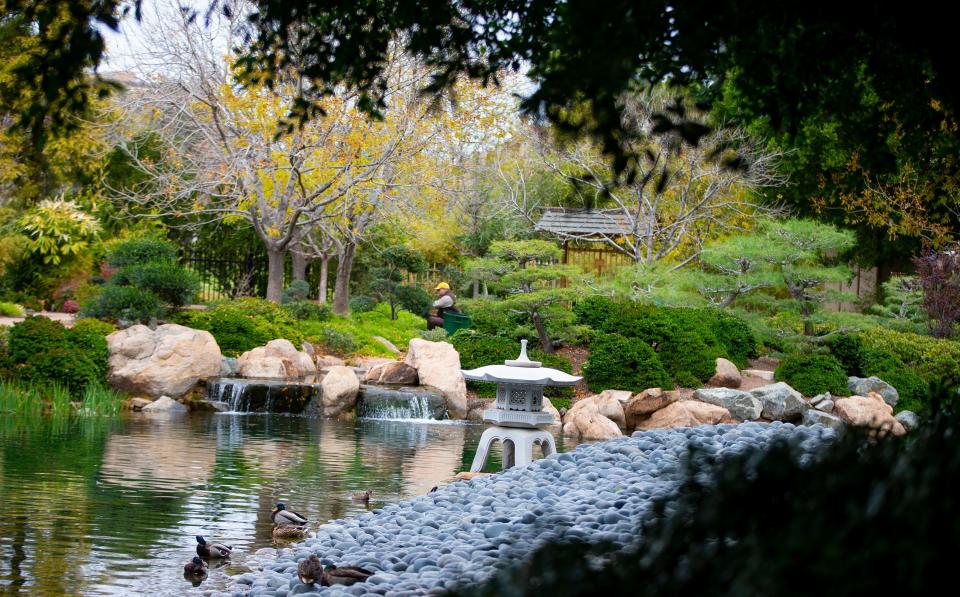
(111, 508)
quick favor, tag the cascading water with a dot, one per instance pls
(262, 395)
(382, 402)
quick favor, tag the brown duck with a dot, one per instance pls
(311, 571)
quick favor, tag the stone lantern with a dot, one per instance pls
(518, 419)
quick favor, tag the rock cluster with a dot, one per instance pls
(167, 361)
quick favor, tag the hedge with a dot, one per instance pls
(812, 374)
(621, 363)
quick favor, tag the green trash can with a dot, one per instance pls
(455, 321)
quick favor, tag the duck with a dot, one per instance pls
(289, 531)
(195, 570)
(212, 550)
(362, 496)
(345, 575)
(310, 570)
(281, 515)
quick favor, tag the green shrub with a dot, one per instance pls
(297, 291)
(434, 335)
(10, 310)
(337, 342)
(34, 335)
(595, 311)
(914, 392)
(847, 349)
(171, 283)
(414, 299)
(932, 358)
(812, 374)
(621, 363)
(734, 334)
(89, 325)
(683, 338)
(244, 324)
(308, 310)
(477, 350)
(89, 340)
(124, 302)
(71, 368)
(139, 251)
(362, 304)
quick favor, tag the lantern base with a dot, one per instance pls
(518, 418)
(517, 446)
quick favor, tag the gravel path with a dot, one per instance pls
(466, 531)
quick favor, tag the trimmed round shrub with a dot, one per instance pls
(875, 360)
(434, 335)
(297, 291)
(734, 334)
(689, 356)
(34, 335)
(414, 299)
(171, 283)
(914, 392)
(71, 368)
(89, 325)
(595, 311)
(847, 349)
(124, 302)
(308, 310)
(89, 340)
(362, 304)
(139, 251)
(621, 363)
(812, 374)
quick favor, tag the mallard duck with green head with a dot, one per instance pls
(195, 571)
(280, 515)
(207, 549)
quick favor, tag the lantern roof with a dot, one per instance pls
(521, 371)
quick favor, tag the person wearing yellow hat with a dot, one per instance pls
(446, 302)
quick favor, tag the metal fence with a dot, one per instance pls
(227, 275)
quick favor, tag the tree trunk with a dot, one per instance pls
(476, 288)
(300, 263)
(275, 261)
(542, 333)
(324, 269)
(341, 288)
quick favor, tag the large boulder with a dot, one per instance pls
(438, 365)
(585, 421)
(167, 361)
(279, 359)
(780, 402)
(726, 375)
(742, 405)
(687, 413)
(647, 402)
(758, 373)
(868, 411)
(605, 403)
(338, 391)
(392, 373)
(862, 386)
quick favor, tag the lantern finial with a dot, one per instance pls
(522, 360)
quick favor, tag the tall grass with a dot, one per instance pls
(100, 401)
(27, 399)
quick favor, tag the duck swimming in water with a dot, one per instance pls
(212, 550)
(195, 571)
(281, 515)
(362, 496)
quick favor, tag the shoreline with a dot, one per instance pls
(466, 531)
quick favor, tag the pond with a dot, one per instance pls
(111, 507)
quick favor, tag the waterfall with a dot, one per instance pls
(417, 407)
(261, 395)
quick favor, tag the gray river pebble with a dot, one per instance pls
(466, 531)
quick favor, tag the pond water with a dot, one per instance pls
(111, 507)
